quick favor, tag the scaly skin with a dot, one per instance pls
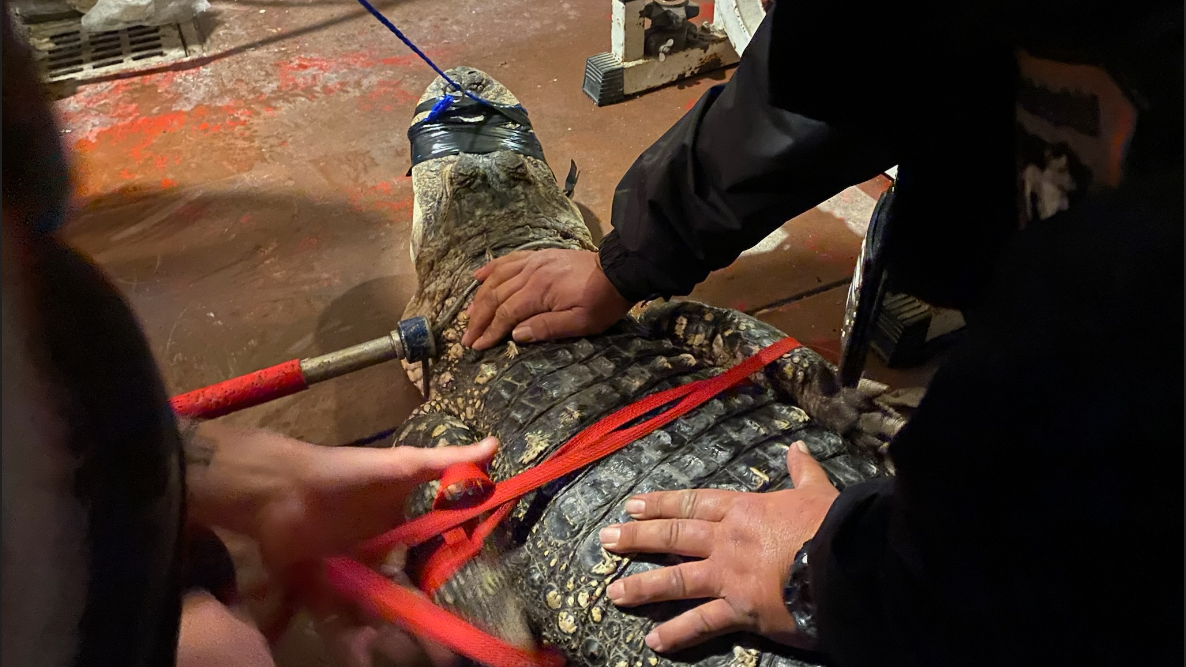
(543, 574)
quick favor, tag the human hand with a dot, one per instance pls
(351, 494)
(340, 496)
(542, 295)
(747, 542)
(301, 502)
(354, 636)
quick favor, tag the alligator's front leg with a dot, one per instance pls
(725, 337)
(483, 591)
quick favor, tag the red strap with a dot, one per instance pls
(413, 613)
(444, 562)
(593, 443)
(462, 484)
(419, 616)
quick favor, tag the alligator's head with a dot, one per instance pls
(473, 206)
(470, 207)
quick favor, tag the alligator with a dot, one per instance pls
(541, 578)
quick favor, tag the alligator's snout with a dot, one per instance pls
(471, 80)
(481, 188)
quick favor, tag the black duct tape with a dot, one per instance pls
(467, 126)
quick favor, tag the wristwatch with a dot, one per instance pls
(796, 595)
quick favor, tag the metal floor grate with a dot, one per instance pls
(66, 53)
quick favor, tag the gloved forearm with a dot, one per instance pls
(731, 171)
(846, 559)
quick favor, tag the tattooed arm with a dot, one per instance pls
(300, 500)
(234, 476)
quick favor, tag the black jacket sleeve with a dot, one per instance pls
(1036, 517)
(731, 171)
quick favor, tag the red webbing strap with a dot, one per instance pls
(461, 484)
(419, 616)
(414, 614)
(593, 443)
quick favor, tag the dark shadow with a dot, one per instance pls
(592, 222)
(226, 283)
(208, 23)
(718, 75)
(366, 312)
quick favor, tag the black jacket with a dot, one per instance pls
(1036, 517)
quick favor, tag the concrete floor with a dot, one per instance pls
(253, 207)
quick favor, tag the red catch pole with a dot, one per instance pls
(242, 392)
(412, 340)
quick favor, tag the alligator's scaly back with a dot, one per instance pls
(544, 573)
(470, 207)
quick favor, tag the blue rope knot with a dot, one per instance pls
(443, 102)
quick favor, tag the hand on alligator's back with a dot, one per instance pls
(538, 295)
(745, 543)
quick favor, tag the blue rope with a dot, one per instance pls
(445, 101)
(391, 26)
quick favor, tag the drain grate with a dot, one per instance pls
(66, 53)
